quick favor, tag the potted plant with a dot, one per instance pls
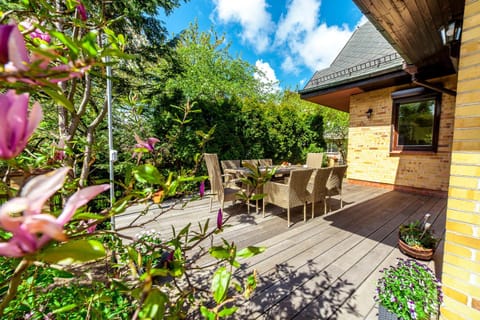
(416, 239)
(408, 290)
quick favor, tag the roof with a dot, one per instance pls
(366, 53)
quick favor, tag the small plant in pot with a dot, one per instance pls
(416, 239)
(408, 290)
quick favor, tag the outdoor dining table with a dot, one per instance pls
(280, 170)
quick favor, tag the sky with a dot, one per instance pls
(287, 39)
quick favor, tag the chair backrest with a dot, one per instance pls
(214, 174)
(318, 187)
(265, 162)
(334, 183)
(298, 184)
(251, 162)
(229, 164)
(314, 159)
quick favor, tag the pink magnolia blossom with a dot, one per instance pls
(202, 189)
(141, 145)
(14, 56)
(15, 125)
(220, 219)
(82, 11)
(22, 216)
(36, 33)
(149, 144)
(13, 53)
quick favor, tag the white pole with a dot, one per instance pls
(112, 153)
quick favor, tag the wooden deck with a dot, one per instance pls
(325, 268)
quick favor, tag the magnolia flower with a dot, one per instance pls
(149, 144)
(219, 219)
(15, 125)
(13, 53)
(202, 189)
(14, 56)
(81, 11)
(143, 146)
(36, 33)
(22, 216)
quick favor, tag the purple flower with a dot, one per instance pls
(22, 216)
(81, 11)
(36, 33)
(202, 189)
(12, 48)
(15, 126)
(219, 219)
(143, 146)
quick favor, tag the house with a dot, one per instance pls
(410, 79)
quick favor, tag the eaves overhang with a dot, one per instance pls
(337, 94)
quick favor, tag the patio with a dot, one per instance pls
(325, 268)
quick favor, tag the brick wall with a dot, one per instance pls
(461, 265)
(369, 157)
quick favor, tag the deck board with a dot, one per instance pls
(324, 268)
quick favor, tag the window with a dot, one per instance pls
(416, 117)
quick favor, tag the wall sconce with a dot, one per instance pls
(369, 113)
(451, 34)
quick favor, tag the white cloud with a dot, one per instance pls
(266, 75)
(289, 66)
(252, 15)
(309, 43)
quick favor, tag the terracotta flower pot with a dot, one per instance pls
(415, 252)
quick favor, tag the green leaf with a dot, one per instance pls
(74, 251)
(227, 311)
(59, 98)
(148, 174)
(67, 41)
(65, 308)
(250, 251)
(154, 305)
(89, 43)
(219, 252)
(220, 283)
(87, 216)
(207, 313)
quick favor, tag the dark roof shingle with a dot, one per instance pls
(365, 53)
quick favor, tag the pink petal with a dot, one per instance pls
(7, 220)
(10, 249)
(81, 11)
(5, 32)
(79, 199)
(17, 52)
(42, 187)
(35, 117)
(45, 224)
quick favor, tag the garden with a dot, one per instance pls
(173, 99)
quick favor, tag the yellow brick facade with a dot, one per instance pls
(369, 156)
(461, 263)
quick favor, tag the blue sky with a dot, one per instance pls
(287, 39)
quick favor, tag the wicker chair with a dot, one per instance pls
(289, 195)
(314, 160)
(230, 177)
(334, 183)
(220, 190)
(317, 188)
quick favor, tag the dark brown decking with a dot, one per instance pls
(325, 268)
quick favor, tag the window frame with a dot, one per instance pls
(409, 96)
